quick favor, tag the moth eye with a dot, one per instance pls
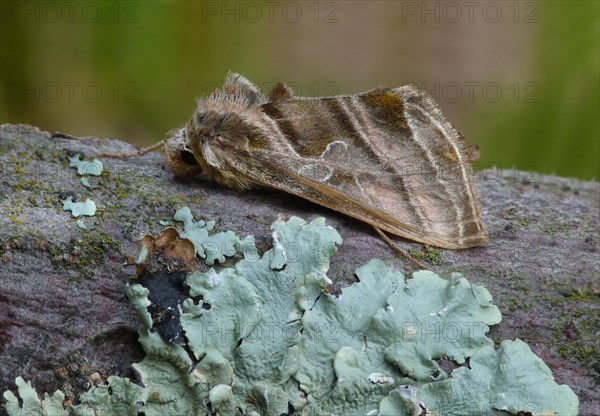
(188, 157)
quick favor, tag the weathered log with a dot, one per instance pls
(65, 321)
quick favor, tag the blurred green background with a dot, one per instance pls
(519, 78)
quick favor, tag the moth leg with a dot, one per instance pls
(60, 135)
(133, 154)
(400, 251)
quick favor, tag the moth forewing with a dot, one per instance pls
(386, 157)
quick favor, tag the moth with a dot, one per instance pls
(387, 157)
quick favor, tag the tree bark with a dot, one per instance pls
(65, 320)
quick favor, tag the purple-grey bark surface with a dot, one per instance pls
(65, 320)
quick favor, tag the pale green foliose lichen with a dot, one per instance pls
(85, 167)
(31, 403)
(79, 208)
(142, 255)
(266, 336)
(211, 248)
(509, 380)
(85, 183)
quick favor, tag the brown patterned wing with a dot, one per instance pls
(386, 157)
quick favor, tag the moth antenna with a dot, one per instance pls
(133, 154)
(400, 251)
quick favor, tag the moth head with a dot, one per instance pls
(180, 156)
(220, 126)
(228, 119)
